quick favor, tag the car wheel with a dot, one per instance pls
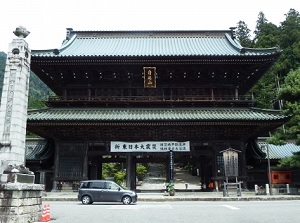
(126, 200)
(86, 200)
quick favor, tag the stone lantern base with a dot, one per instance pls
(20, 202)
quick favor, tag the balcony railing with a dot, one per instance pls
(150, 99)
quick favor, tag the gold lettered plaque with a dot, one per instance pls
(149, 77)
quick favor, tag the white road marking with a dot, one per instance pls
(124, 207)
(135, 207)
(230, 207)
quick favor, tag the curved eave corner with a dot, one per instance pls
(54, 52)
(243, 50)
(277, 113)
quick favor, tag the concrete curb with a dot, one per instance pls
(148, 198)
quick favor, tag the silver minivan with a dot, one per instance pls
(104, 191)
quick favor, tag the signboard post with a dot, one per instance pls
(171, 166)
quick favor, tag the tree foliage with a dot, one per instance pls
(292, 162)
(290, 94)
(119, 177)
(141, 170)
(290, 90)
(243, 34)
(261, 20)
(109, 170)
(279, 88)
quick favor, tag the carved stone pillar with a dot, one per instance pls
(20, 198)
(13, 110)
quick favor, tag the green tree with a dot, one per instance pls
(108, 170)
(289, 41)
(264, 91)
(268, 36)
(290, 94)
(290, 29)
(243, 34)
(290, 162)
(281, 82)
(119, 177)
(261, 20)
(287, 37)
(141, 171)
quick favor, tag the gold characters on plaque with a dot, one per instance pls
(149, 77)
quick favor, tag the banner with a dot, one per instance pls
(149, 146)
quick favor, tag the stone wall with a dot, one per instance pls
(20, 202)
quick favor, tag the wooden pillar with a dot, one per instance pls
(65, 94)
(128, 170)
(204, 169)
(243, 164)
(133, 174)
(212, 94)
(56, 161)
(85, 162)
(93, 169)
(167, 166)
(214, 162)
(99, 168)
(236, 93)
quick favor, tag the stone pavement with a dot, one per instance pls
(155, 179)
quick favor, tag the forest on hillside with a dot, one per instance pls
(279, 88)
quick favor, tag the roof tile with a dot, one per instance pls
(279, 151)
(153, 114)
(175, 43)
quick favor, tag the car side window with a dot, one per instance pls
(97, 185)
(112, 186)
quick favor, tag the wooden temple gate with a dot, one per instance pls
(137, 86)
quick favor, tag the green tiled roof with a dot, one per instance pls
(154, 114)
(152, 44)
(279, 151)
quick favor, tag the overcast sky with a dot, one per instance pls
(47, 20)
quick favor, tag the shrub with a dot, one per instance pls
(141, 171)
(119, 177)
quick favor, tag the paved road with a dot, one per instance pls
(177, 212)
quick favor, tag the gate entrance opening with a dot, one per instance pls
(147, 172)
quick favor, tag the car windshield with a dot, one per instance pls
(84, 185)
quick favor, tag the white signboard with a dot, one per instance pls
(149, 146)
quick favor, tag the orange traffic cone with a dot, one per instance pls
(48, 212)
(44, 214)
